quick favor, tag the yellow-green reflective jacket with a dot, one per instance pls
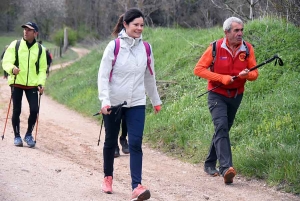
(28, 75)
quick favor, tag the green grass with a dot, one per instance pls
(265, 136)
(67, 56)
(6, 40)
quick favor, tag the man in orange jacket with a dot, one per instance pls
(234, 57)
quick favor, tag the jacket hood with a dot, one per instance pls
(129, 40)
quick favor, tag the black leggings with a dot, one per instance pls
(32, 98)
(124, 128)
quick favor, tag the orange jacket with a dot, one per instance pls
(227, 64)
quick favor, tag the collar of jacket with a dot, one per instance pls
(29, 45)
(241, 46)
(129, 40)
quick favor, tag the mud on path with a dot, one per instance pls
(66, 165)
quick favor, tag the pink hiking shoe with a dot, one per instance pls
(107, 185)
(140, 193)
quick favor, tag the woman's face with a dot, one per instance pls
(135, 28)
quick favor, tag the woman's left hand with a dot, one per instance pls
(157, 108)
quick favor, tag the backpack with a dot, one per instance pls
(37, 63)
(49, 57)
(214, 53)
(116, 52)
(5, 74)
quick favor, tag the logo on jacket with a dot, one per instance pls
(242, 56)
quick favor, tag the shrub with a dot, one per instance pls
(58, 37)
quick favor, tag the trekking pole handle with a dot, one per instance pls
(280, 62)
(112, 107)
(265, 62)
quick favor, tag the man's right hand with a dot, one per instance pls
(226, 79)
(15, 71)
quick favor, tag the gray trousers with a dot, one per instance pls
(223, 111)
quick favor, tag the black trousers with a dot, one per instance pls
(223, 111)
(124, 128)
(32, 98)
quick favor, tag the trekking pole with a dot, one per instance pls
(278, 59)
(100, 131)
(112, 107)
(108, 109)
(37, 118)
(12, 91)
(6, 117)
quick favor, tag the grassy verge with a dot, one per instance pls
(67, 56)
(266, 133)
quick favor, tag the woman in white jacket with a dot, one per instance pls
(129, 79)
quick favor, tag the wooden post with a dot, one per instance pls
(65, 47)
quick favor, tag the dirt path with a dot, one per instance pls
(66, 165)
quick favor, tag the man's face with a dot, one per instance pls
(29, 34)
(235, 34)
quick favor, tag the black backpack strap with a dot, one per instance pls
(37, 64)
(214, 53)
(17, 53)
(247, 49)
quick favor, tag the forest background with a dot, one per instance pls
(94, 19)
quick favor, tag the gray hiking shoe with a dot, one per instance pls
(125, 147)
(18, 142)
(211, 171)
(29, 140)
(117, 152)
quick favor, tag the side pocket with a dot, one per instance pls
(212, 104)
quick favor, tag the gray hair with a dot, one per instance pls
(227, 23)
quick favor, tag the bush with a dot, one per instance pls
(58, 37)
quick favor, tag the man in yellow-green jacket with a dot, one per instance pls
(25, 62)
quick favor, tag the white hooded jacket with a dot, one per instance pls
(131, 79)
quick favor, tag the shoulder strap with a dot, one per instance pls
(247, 49)
(148, 51)
(37, 64)
(214, 53)
(17, 53)
(116, 52)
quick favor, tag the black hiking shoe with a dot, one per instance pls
(211, 171)
(125, 147)
(117, 152)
